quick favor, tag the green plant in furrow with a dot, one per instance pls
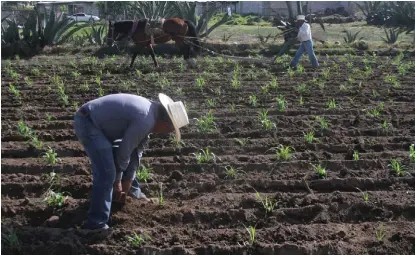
(323, 123)
(302, 88)
(233, 107)
(274, 83)
(265, 121)
(24, 129)
(55, 199)
(281, 103)
(36, 142)
(355, 155)
(211, 102)
(290, 73)
(205, 156)
(175, 143)
(309, 136)
(265, 89)
(51, 156)
(380, 233)
(231, 172)
(242, 141)
(206, 123)
(143, 173)
(236, 77)
(396, 167)
(331, 104)
(137, 240)
(251, 231)
(321, 171)
(160, 195)
(49, 116)
(28, 81)
(283, 153)
(15, 91)
(267, 203)
(200, 83)
(365, 195)
(164, 83)
(253, 100)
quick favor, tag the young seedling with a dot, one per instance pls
(23, 129)
(101, 92)
(176, 144)
(301, 100)
(251, 231)
(283, 153)
(164, 83)
(302, 88)
(136, 240)
(211, 102)
(380, 233)
(355, 155)
(266, 202)
(206, 123)
(143, 173)
(160, 195)
(265, 89)
(233, 107)
(290, 73)
(253, 100)
(55, 199)
(242, 141)
(231, 172)
(321, 171)
(51, 156)
(309, 137)
(274, 83)
(205, 156)
(365, 195)
(49, 116)
(331, 104)
(28, 81)
(265, 121)
(323, 123)
(396, 167)
(15, 91)
(281, 103)
(36, 142)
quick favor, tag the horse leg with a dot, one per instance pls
(153, 56)
(133, 58)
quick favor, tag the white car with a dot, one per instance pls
(82, 17)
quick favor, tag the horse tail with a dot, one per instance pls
(192, 32)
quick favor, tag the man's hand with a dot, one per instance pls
(118, 194)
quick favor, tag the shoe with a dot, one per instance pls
(87, 226)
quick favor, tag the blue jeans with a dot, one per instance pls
(306, 46)
(100, 152)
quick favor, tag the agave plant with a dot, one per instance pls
(392, 35)
(57, 31)
(187, 10)
(97, 35)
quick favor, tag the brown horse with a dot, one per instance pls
(145, 33)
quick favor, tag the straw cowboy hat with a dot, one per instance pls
(301, 17)
(177, 113)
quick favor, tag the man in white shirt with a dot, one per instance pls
(304, 37)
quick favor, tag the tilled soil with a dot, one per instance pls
(362, 206)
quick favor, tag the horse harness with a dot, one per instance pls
(152, 28)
